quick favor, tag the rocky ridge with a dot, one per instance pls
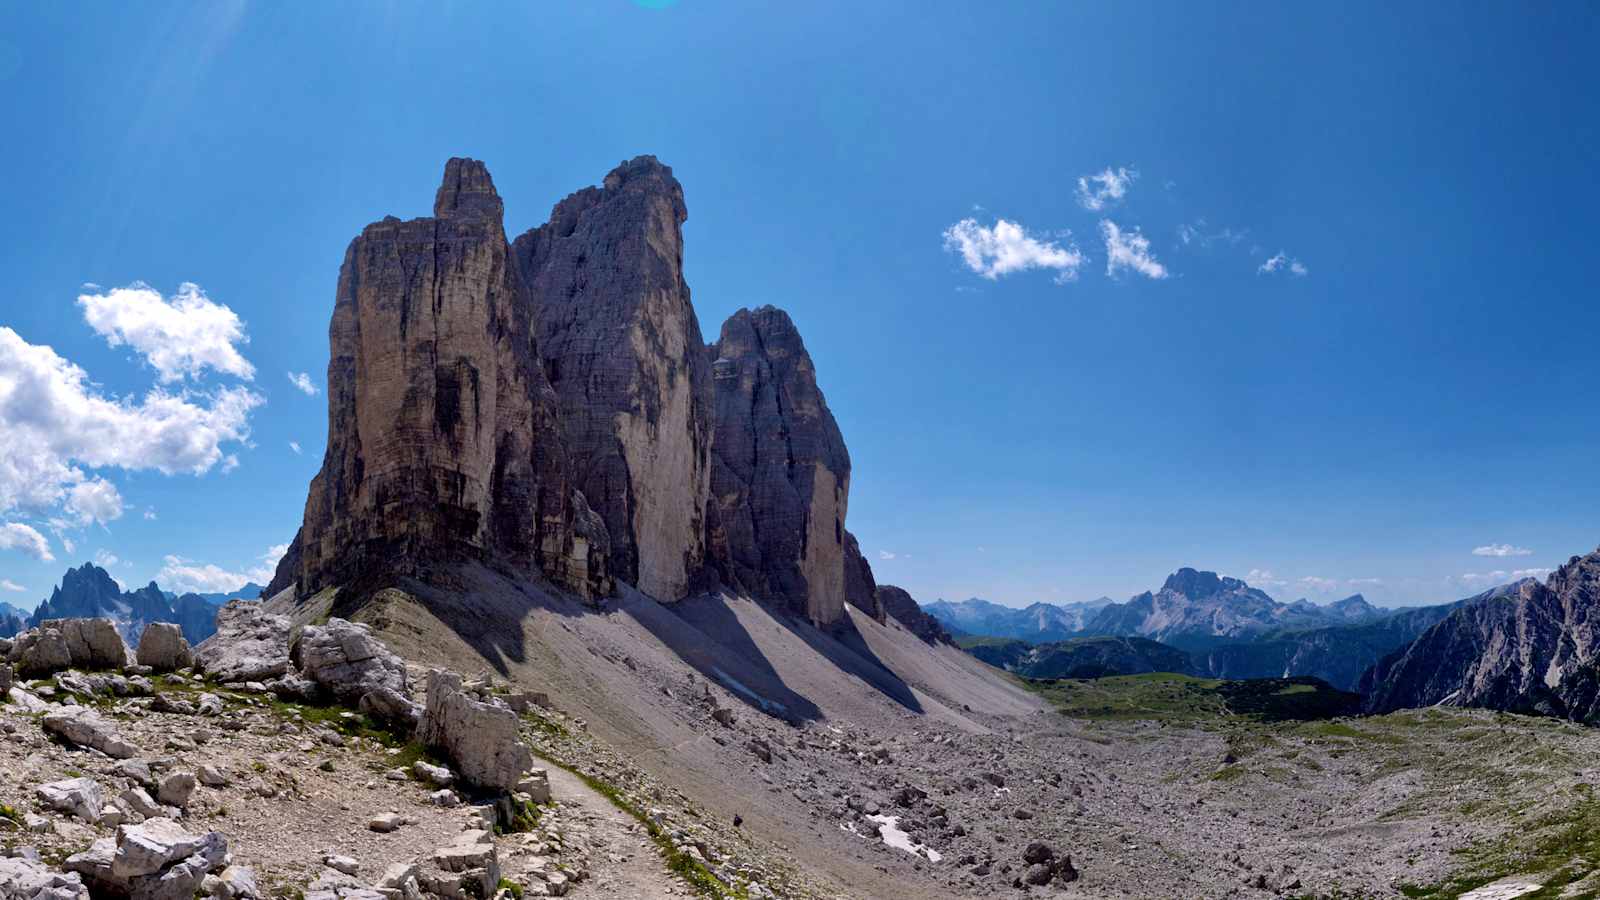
(1524, 647)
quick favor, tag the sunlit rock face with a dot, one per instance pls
(441, 434)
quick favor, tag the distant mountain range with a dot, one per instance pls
(1199, 623)
(1039, 623)
(12, 619)
(250, 591)
(90, 592)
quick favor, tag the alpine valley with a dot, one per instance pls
(574, 609)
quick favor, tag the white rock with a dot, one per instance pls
(81, 798)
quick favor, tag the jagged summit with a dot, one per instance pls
(467, 191)
(1196, 585)
(548, 404)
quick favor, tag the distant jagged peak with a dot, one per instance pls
(1197, 585)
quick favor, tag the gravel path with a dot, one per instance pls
(625, 864)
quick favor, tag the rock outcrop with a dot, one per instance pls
(442, 442)
(1523, 647)
(477, 732)
(163, 648)
(898, 604)
(250, 645)
(57, 644)
(347, 662)
(780, 479)
(154, 860)
(84, 727)
(622, 348)
(27, 879)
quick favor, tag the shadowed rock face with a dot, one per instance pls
(780, 477)
(622, 349)
(441, 433)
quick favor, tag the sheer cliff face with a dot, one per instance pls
(622, 349)
(780, 475)
(441, 437)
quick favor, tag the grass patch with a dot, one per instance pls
(1185, 699)
(510, 887)
(524, 818)
(1561, 848)
(9, 813)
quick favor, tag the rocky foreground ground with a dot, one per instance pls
(242, 769)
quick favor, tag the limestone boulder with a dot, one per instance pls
(85, 727)
(478, 734)
(81, 798)
(163, 648)
(58, 644)
(250, 645)
(26, 879)
(348, 662)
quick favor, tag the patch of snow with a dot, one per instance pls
(889, 827)
(737, 686)
(1505, 888)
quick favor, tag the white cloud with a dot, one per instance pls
(1129, 250)
(1321, 585)
(1501, 550)
(67, 543)
(1280, 262)
(229, 463)
(7, 584)
(1007, 247)
(105, 558)
(302, 380)
(95, 500)
(295, 446)
(55, 423)
(1264, 578)
(182, 575)
(24, 539)
(1096, 192)
(178, 336)
(1198, 235)
(1365, 582)
(1501, 576)
(885, 554)
(150, 515)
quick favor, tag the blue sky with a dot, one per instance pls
(1423, 389)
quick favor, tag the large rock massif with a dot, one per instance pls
(1197, 609)
(1526, 647)
(548, 404)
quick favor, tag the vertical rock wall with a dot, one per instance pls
(780, 477)
(622, 349)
